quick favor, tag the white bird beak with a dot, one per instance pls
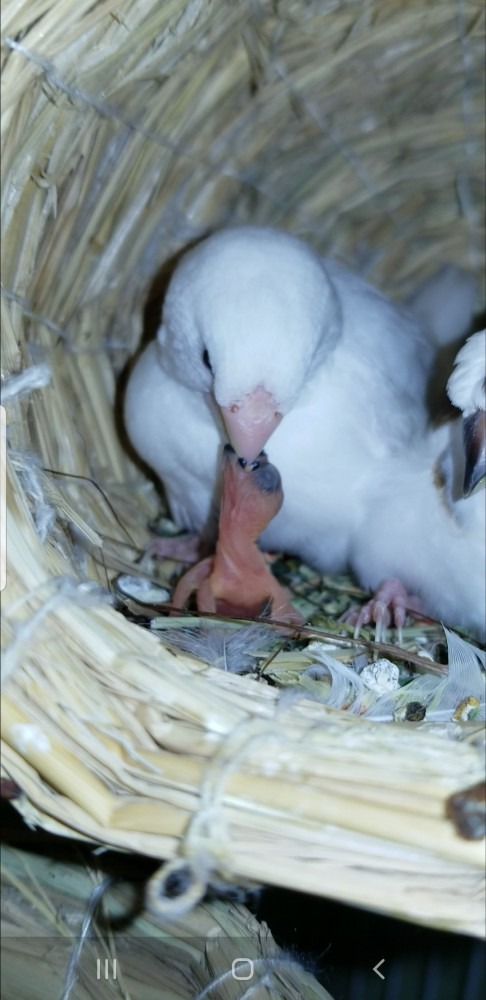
(250, 422)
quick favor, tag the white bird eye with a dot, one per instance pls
(206, 361)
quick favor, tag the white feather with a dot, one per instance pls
(440, 696)
(347, 687)
(237, 650)
(465, 679)
(376, 693)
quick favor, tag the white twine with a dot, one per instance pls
(27, 464)
(203, 849)
(30, 314)
(24, 382)
(50, 325)
(28, 468)
(176, 888)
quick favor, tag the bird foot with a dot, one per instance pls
(181, 548)
(388, 606)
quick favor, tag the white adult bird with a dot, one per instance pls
(424, 522)
(261, 338)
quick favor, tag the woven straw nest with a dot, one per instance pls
(129, 129)
(45, 901)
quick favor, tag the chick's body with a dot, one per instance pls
(237, 580)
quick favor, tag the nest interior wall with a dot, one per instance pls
(133, 128)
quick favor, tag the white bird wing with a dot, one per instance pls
(387, 349)
(366, 403)
(174, 431)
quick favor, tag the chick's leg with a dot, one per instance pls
(205, 599)
(388, 606)
(282, 609)
(192, 581)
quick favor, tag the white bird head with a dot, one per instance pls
(249, 314)
(467, 390)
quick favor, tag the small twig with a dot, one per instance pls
(266, 663)
(311, 632)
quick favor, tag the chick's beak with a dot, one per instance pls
(474, 435)
(250, 422)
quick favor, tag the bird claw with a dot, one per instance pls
(388, 607)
